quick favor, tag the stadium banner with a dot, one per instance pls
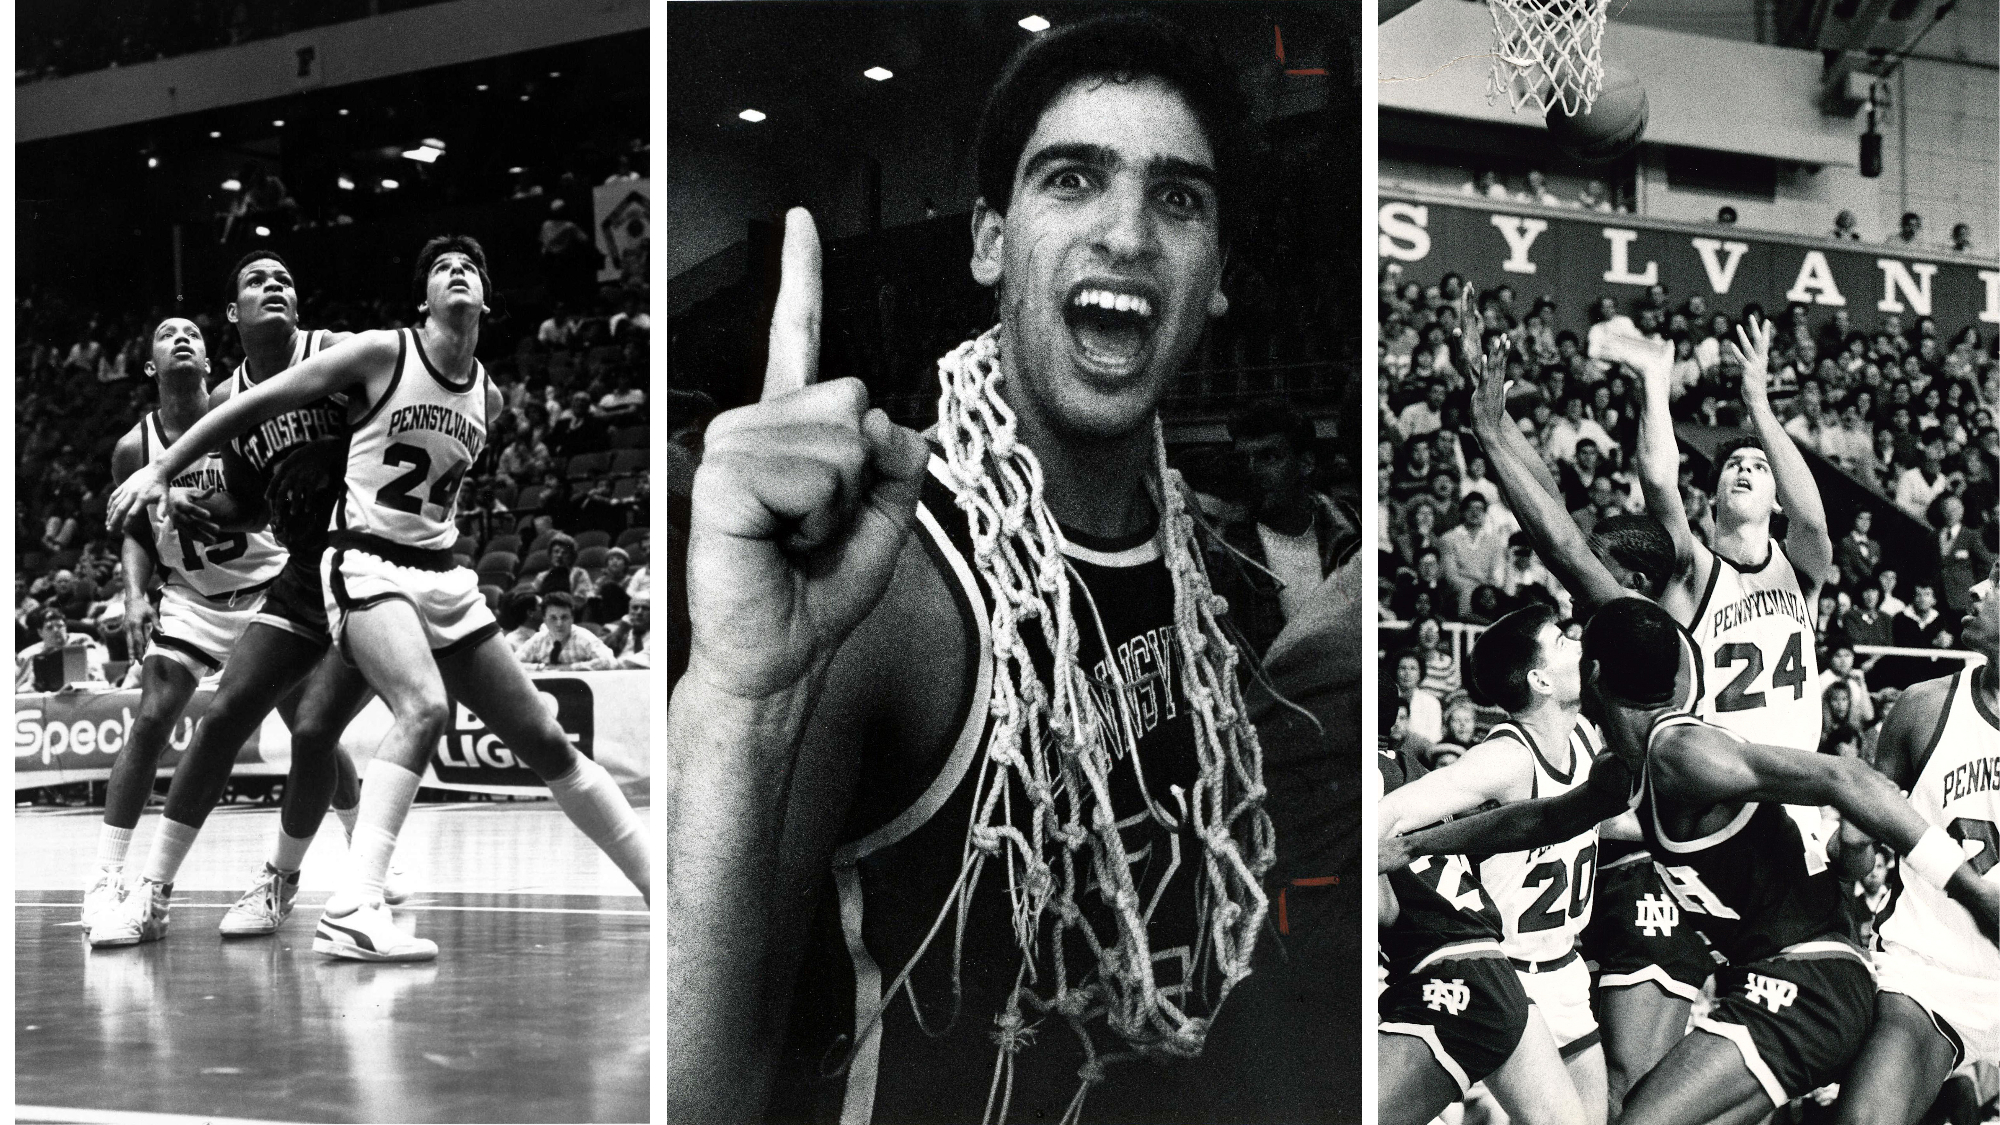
(61, 738)
(1577, 257)
(622, 224)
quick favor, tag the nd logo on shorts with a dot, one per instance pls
(470, 754)
(1772, 992)
(1447, 996)
(1657, 916)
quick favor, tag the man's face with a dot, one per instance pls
(1911, 225)
(1562, 663)
(178, 346)
(1954, 510)
(1981, 629)
(1602, 496)
(1863, 521)
(53, 633)
(557, 620)
(1442, 488)
(453, 282)
(1427, 567)
(65, 582)
(1924, 599)
(1409, 673)
(1434, 395)
(264, 293)
(1842, 661)
(1745, 487)
(1586, 455)
(1108, 256)
(1871, 597)
(641, 614)
(1275, 469)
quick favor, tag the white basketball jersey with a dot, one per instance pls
(410, 450)
(1544, 895)
(234, 560)
(1760, 674)
(1957, 789)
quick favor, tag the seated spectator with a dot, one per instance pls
(1961, 558)
(1473, 554)
(39, 667)
(1441, 675)
(1485, 183)
(563, 575)
(1422, 591)
(624, 401)
(1865, 623)
(577, 428)
(1840, 669)
(610, 600)
(1425, 415)
(520, 617)
(1909, 231)
(1919, 485)
(1844, 228)
(1426, 713)
(1858, 554)
(1575, 478)
(559, 645)
(1961, 237)
(1527, 579)
(1923, 624)
(1538, 190)
(557, 331)
(526, 458)
(1461, 727)
(1595, 197)
(1605, 502)
(632, 319)
(631, 636)
(1486, 607)
(1568, 432)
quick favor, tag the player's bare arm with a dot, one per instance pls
(1477, 366)
(1905, 730)
(1806, 541)
(135, 548)
(801, 511)
(1704, 767)
(1519, 826)
(1537, 503)
(1659, 463)
(367, 361)
(1495, 770)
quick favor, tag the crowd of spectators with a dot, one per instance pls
(1904, 407)
(562, 488)
(54, 38)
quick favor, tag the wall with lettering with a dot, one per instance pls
(1578, 259)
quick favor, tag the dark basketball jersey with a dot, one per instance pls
(931, 1056)
(250, 460)
(1441, 909)
(1688, 689)
(1747, 886)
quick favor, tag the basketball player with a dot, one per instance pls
(1649, 967)
(211, 590)
(1033, 676)
(1939, 1006)
(1525, 663)
(1452, 1012)
(1796, 996)
(398, 607)
(287, 637)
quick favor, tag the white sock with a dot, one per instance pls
(170, 847)
(347, 817)
(594, 804)
(112, 844)
(385, 802)
(288, 852)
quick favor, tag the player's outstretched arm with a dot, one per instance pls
(1519, 826)
(801, 508)
(1806, 541)
(1495, 770)
(367, 358)
(1906, 729)
(1539, 508)
(1704, 765)
(1659, 456)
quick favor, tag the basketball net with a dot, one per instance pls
(1059, 743)
(1546, 52)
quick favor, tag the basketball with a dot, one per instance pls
(1611, 127)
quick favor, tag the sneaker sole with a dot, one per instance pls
(112, 943)
(255, 930)
(345, 949)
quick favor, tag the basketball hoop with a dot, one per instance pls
(1545, 52)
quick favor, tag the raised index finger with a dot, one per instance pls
(794, 356)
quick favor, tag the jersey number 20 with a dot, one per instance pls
(399, 494)
(1547, 911)
(1790, 672)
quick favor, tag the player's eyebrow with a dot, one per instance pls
(1102, 156)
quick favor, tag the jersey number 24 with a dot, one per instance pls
(1790, 672)
(400, 494)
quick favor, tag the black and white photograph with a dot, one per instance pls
(332, 561)
(1013, 742)
(1687, 326)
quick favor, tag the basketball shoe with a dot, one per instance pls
(140, 917)
(265, 906)
(103, 897)
(363, 931)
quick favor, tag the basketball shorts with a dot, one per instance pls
(1561, 989)
(198, 632)
(1470, 1011)
(1798, 1018)
(1637, 935)
(296, 601)
(447, 598)
(1966, 1009)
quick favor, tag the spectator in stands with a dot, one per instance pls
(1606, 321)
(1858, 554)
(1809, 427)
(1420, 589)
(1961, 237)
(1576, 478)
(1473, 554)
(1605, 502)
(1595, 197)
(1426, 712)
(560, 645)
(1538, 190)
(609, 600)
(1844, 225)
(1919, 485)
(526, 458)
(1726, 215)
(73, 594)
(39, 667)
(1486, 183)
(557, 331)
(1961, 558)
(1885, 580)
(1909, 231)
(569, 260)
(1865, 623)
(625, 401)
(576, 429)
(631, 636)
(520, 616)
(563, 575)
(631, 319)
(624, 173)
(1923, 625)
(1441, 675)
(1840, 669)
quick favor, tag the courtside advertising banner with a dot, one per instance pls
(1578, 257)
(622, 224)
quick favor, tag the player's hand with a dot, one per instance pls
(146, 486)
(800, 506)
(297, 493)
(184, 508)
(1980, 895)
(1754, 357)
(1489, 386)
(1392, 853)
(139, 615)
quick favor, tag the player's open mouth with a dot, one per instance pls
(278, 303)
(1111, 324)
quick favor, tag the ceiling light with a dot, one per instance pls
(879, 74)
(433, 142)
(524, 97)
(214, 134)
(344, 184)
(390, 185)
(555, 74)
(482, 87)
(278, 124)
(1035, 24)
(152, 162)
(232, 184)
(343, 113)
(751, 115)
(516, 170)
(421, 155)
(263, 232)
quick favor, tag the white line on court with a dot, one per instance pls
(65, 1115)
(397, 909)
